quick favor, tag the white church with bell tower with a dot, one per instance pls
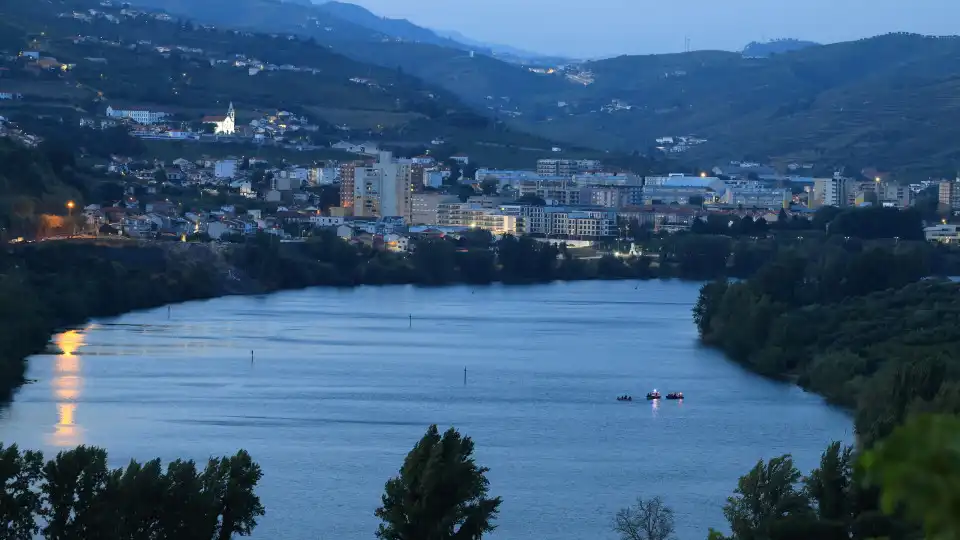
(223, 125)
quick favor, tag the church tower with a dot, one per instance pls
(231, 114)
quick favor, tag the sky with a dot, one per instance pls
(592, 28)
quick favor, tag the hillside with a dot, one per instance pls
(888, 102)
(147, 59)
(757, 49)
(361, 35)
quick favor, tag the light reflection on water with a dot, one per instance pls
(67, 385)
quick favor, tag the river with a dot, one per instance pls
(344, 382)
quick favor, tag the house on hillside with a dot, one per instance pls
(366, 148)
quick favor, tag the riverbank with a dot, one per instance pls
(865, 331)
(49, 286)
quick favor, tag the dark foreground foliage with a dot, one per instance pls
(905, 487)
(76, 495)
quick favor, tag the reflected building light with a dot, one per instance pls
(66, 433)
(67, 385)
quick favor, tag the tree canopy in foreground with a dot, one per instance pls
(440, 493)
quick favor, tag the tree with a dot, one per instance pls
(765, 498)
(440, 493)
(232, 481)
(19, 503)
(455, 172)
(829, 488)
(468, 172)
(465, 191)
(646, 520)
(918, 470)
(109, 192)
(76, 487)
(532, 200)
(489, 186)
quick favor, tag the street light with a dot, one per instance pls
(70, 205)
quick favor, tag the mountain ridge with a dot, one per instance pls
(870, 102)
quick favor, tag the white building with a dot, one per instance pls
(946, 233)
(326, 221)
(138, 114)
(223, 125)
(580, 223)
(225, 168)
(577, 223)
(477, 216)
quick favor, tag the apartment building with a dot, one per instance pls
(566, 168)
(424, 207)
(894, 195)
(561, 193)
(950, 194)
(347, 175)
(383, 189)
(757, 196)
(476, 215)
(608, 196)
(577, 223)
(829, 192)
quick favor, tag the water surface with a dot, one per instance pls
(344, 382)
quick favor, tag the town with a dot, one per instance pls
(385, 201)
(373, 191)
